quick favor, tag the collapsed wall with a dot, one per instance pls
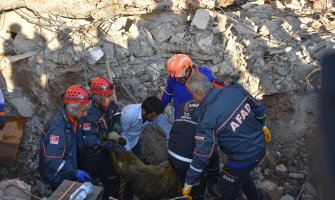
(271, 49)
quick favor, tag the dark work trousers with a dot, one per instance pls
(181, 167)
(102, 168)
(128, 194)
(210, 174)
(233, 179)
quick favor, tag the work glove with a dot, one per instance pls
(186, 191)
(267, 134)
(82, 176)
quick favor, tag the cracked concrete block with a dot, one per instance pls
(201, 19)
(108, 49)
(162, 33)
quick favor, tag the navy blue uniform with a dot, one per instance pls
(177, 90)
(58, 150)
(181, 147)
(93, 158)
(234, 120)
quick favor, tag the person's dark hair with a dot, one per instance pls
(152, 104)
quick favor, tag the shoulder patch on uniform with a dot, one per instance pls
(87, 126)
(190, 106)
(199, 137)
(54, 139)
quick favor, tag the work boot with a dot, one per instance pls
(211, 188)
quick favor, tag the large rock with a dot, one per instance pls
(201, 19)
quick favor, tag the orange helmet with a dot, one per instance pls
(76, 94)
(178, 64)
(101, 85)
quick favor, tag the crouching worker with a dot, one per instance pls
(103, 117)
(234, 120)
(58, 140)
(181, 147)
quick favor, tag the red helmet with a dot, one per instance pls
(76, 94)
(101, 85)
(178, 64)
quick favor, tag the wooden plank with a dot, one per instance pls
(96, 193)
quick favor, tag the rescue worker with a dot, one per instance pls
(181, 147)
(103, 117)
(2, 111)
(58, 139)
(234, 120)
(136, 117)
(180, 68)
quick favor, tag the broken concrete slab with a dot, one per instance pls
(23, 106)
(201, 19)
(95, 53)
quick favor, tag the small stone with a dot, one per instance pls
(287, 197)
(281, 168)
(296, 175)
(270, 189)
(201, 19)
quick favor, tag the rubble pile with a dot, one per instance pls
(271, 48)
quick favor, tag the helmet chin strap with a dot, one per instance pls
(189, 74)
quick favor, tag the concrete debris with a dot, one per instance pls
(11, 189)
(270, 190)
(95, 54)
(23, 106)
(296, 175)
(269, 48)
(201, 19)
(162, 32)
(281, 168)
